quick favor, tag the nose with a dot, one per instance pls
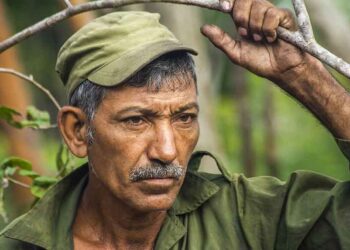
(162, 147)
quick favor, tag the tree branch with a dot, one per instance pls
(95, 5)
(303, 20)
(18, 182)
(35, 83)
(47, 127)
(68, 3)
(303, 39)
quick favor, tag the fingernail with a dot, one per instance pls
(226, 5)
(242, 31)
(270, 39)
(257, 37)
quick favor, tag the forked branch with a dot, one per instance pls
(304, 38)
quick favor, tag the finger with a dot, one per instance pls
(241, 14)
(223, 41)
(256, 20)
(288, 20)
(270, 25)
(275, 17)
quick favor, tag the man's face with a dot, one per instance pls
(135, 128)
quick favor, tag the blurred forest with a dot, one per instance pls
(251, 124)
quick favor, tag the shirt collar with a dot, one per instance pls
(195, 190)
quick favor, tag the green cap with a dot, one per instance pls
(113, 47)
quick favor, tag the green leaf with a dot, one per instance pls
(8, 115)
(36, 119)
(41, 184)
(38, 191)
(15, 162)
(9, 171)
(45, 181)
(63, 159)
(59, 158)
(28, 173)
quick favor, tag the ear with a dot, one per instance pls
(72, 123)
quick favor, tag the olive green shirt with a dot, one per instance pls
(227, 211)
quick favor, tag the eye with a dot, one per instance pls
(134, 121)
(187, 118)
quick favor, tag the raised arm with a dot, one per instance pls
(299, 74)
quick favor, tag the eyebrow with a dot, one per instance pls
(149, 112)
(187, 107)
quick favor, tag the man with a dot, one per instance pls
(133, 112)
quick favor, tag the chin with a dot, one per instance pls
(154, 203)
(155, 195)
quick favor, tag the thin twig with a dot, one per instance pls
(51, 126)
(68, 3)
(18, 182)
(35, 83)
(303, 20)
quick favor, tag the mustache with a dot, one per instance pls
(156, 170)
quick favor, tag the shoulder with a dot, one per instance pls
(283, 211)
(298, 183)
(304, 196)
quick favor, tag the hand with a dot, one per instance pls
(259, 51)
(262, 53)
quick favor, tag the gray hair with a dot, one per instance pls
(156, 170)
(165, 71)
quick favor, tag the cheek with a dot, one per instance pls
(186, 142)
(116, 150)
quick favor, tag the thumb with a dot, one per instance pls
(223, 41)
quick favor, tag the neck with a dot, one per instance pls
(108, 222)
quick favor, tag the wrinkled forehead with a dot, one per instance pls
(168, 83)
(172, 95)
